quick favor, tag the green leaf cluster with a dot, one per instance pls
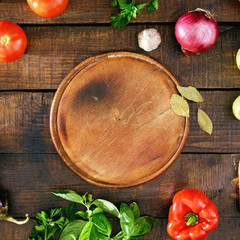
(91, 224)
(128, 10)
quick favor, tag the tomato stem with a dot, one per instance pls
(191, 219)
(4, 40)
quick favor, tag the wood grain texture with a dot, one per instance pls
(99, 11)
(112, 123)
(52, 52)
(10, 231)
(28, 177)
(24, 123)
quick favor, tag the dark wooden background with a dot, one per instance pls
(29, 163)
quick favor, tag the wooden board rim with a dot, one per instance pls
(54, 111)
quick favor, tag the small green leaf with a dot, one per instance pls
(134, 207)
(102, 237)
(140, 7)
(155, 4)
(89, 232)
(84, 198)
(82, 214)
(179, 105)
(114, 3)
(97, 210)
(190, 93)
(89, 198)
(102, 223)
(119, 236)
(126, 219)
(143, 226)
(122, 2)
(150, 7)
(107, 206)
(68, 195)
(54, 212)
(75, 228)
(39, 228)
(70, 212)
(204, 122)
(120, 20)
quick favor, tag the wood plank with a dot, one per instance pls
(10, 231)
(53, 51)
(24, 123)
(99, 11)
(28, 177)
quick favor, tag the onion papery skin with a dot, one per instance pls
(196, 32)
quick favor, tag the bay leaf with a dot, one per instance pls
(190, 93)
(204, 122)
(179, 105)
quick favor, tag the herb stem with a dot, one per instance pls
(45, 235)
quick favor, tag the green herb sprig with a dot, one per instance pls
(128, 10)
(91, 224)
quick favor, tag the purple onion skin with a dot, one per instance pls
(2, 199)
(196, 32)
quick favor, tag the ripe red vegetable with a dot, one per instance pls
(48, 8)
(196, 31)
(191, 216)
(13, 41)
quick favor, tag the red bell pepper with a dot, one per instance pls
(191, 216)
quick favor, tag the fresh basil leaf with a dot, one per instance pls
(89, 232)
(97, 210)
(102, 237)
(134, 207)
(82, 214)
(89, 198)
(119, 236)
(75, 228)
(68, 195)
(102, 223)
(142, 226)
(70, 212)
(126, 219)
(84, 198)
(107, 206)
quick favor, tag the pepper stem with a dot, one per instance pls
(191, 219)
(11, 219)
(4, 40)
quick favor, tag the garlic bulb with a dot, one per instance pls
(149, 39)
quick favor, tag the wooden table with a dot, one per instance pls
(29, 163)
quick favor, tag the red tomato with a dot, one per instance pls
(13, 41)
(48, 8)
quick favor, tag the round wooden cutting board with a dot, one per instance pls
(112, 123)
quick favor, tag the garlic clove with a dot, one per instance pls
(149, 39)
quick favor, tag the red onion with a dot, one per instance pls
(196, 31)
